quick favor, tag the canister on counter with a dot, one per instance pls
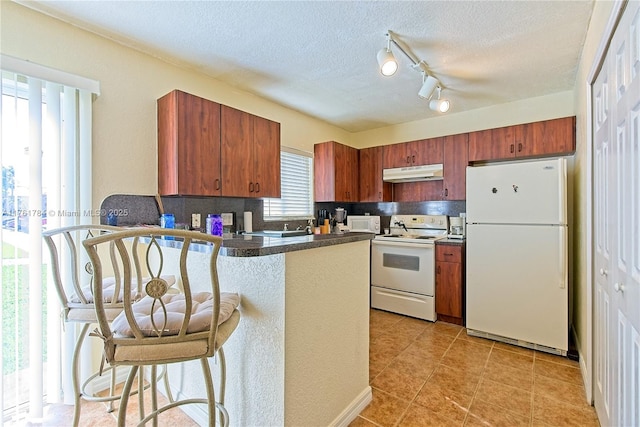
(167, 221)
(214, 224)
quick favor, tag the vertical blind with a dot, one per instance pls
(45, 152)
(296, 174)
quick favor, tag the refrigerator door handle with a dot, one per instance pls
(563, 256)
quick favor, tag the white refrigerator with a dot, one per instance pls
(517, 254)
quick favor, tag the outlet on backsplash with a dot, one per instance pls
(195, 220)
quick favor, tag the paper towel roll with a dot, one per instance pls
(248, 221)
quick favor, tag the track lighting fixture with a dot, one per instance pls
(439, 105)
(388, 66)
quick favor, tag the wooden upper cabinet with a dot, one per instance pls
(413, 153)
(538, 139)
(188, 145)
(481, 147)
(372, 188)
(455, 167)
(250, 153)
(336, 172)
(547, 138)
(266, 155)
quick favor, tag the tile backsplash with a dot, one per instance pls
(141, 209)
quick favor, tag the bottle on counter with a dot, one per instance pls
(214, 225)
(167, 221)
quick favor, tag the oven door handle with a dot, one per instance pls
(402, 244)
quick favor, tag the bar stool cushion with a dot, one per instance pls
(175, 306)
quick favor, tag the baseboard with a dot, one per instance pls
(582, 362)
(351, 412)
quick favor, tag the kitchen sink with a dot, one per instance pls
(278, 233)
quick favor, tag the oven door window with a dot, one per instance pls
(403, 262)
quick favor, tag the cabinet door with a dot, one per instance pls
(236, 153)
(188, 145)
(372, 188)
(324, 176)
(426, 151)
(480, 146)
(548, 137)
(396, 155)
(455, 167)
(449, 289)
(346, 173)
(266, 154)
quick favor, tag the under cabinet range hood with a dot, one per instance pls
(413, 173)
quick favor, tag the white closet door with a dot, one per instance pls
(602, 245)
(617, 227)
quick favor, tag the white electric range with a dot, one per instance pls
(403, 265)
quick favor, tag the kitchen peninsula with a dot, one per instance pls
(300, 354)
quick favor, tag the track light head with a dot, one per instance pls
(387, 62)
(440, 105)
(429, 84)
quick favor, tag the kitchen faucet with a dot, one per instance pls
(401, 224)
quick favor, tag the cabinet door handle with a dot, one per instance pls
(379, 195)
(251, 187)
(438, 270)
(217, 183)
(519, 147)
(413, 159)
(408, 159)
(446, 192)
(448, 254)
(257, 187)
(511, 148)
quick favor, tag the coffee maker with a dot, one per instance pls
(341, 220)
(457, 227)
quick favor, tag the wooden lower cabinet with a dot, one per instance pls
(450, 285)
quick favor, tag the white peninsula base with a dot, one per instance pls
(300, 356)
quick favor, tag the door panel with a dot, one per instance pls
(516, 282)
(511, 193)
(616, 186)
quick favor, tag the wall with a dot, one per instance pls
(124, 127)
(582, 190)
(525, 111)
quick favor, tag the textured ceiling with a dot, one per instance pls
(319, 57)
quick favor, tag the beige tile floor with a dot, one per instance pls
(434, 374)
(94, 414)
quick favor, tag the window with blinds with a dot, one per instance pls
(296, 197)
(45, 153)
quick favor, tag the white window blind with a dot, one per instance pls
(296, 176)
(45, 152)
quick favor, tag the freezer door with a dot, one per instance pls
(517, 283)
(532, 192)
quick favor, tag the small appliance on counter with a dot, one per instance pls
(456, 227)
(364, 223)
(340, 218)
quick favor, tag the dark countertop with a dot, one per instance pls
(250, 246)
